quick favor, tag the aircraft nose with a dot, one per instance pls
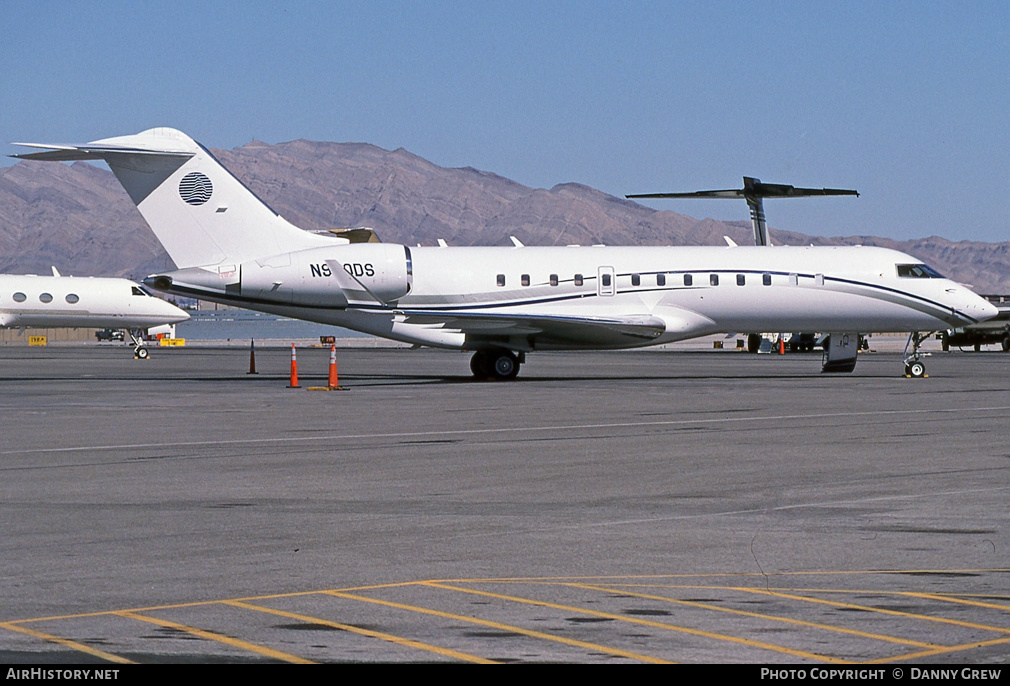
(986, 309)
(173, 314)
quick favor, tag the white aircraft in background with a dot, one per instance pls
(31, 301)
(505, 302)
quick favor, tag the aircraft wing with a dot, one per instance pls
(603, 330)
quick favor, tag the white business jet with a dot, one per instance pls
(29, 301)
(505, 302)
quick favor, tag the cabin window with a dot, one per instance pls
(794, 279)
(20, 297)
(741, 280)
(688, 280)
(660, 279)
(554, 279)
(713, 279)
(917, 271)
(525, 279)
(578, 279)
(501, 280)
(766, 279)
(72, 298)
(606, 279)
(46, 297)
(636, 280)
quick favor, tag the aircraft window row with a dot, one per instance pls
(524, 279)
(917, 271)
(636, 279)
(741, 279)
(20, 297)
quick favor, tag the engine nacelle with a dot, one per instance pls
(372, 271)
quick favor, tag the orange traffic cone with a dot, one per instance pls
(294, 369)
(333, 366)
(332, 384)
(252, 357)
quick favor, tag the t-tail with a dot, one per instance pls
(203, 216)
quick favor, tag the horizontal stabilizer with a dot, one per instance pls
(753, 188)
(87, 151)
(754, 192)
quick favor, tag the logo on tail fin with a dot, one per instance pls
(195, 188)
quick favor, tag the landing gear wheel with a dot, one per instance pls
(914, 368)
(506, 366)
(495, 364)
(479, 365)
(141, 353)
(1005, 344)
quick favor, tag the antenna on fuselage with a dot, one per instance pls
(754, 192)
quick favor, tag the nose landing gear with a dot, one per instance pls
(139, 351)
(914, 367)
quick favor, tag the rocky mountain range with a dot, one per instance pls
(79, 218)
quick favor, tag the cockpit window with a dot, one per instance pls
(138, 291)
(918, 271)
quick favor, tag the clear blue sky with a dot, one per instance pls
(906, 102)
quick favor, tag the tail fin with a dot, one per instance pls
(203, 215)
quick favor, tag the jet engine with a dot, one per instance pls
(373, 273)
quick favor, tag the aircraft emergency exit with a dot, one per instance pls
(28, 301)
(505, 302)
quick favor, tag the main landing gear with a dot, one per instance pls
(914, 367)
(501, 365)
(139, 351)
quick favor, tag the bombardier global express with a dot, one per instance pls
(29, 301)
(505, 302)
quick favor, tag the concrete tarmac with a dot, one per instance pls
(646, 506)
